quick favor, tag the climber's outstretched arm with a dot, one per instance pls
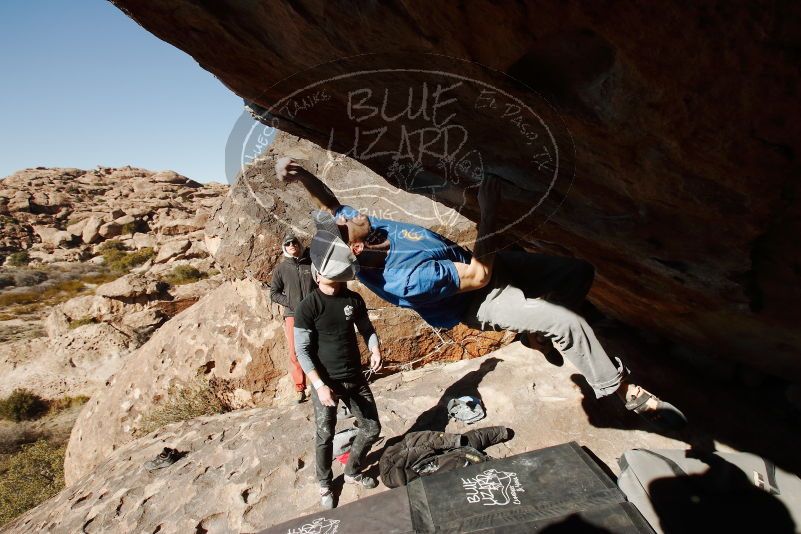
(287, 170)
(478, 272)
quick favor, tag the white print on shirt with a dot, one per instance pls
(348, 311)
(493, 488)
(320, 525)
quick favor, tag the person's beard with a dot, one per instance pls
(376, 240)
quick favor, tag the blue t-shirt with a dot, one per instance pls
(419, 272)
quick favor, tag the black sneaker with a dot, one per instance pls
(361, 480)
(166, 458)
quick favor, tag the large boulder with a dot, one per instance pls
(132, 287)
(247, 470)
(244, 236)
(91, 230)
(245, 230)
(686, 204)
(231, 336)
(172, 249)
(53, 237)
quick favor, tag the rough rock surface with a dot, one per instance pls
(244, 236)
(78, 360)
(686, 203)
(234, 337)
(57, 217)
(73, 207)
(249, 469)
(231, 336)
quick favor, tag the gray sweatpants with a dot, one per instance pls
(538, 293)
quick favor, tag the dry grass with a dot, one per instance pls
(119, 260)
(181, 404)
(30, 477)
(24, 405)
(19, 303)
(184, 274)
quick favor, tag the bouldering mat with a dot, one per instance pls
(557, 487)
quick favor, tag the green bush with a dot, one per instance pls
(182, 403)
(21, 405)
(118, 259)
(18, 259)
(184, 274)
(30, 477)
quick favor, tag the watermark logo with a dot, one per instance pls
(430, 125)
(493, 488)
(320, 525)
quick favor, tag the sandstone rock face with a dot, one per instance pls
(686, 204)
(172, 249)
(247, 470)
(60, 218)
(49, 209)
(231, 335)
(245, 232)
(131, 286)
(90, 337)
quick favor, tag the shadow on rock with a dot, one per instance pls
(722, 499)
(436, 417)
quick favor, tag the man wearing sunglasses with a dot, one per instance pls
(292, 281)
(533, 294)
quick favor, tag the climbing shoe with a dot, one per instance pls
(166, 458)
(664, 416)
(361, 480)
(300, 396)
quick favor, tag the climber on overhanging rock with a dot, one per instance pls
(413, 267)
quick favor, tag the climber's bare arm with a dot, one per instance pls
(287, 170)
(478, 272)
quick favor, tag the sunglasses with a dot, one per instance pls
(294, 243)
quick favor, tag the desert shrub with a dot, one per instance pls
(119, 260)
(81, 322)
(21, 405)
(18, 259)
(30, 477)
(184, 274)
(111, 245)
(65, 403)
(58, 292)
(29, 277)
(6, 280)
(129, 228)
(181, 404)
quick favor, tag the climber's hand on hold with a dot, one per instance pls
(288, 170)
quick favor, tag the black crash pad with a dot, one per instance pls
(553, 489)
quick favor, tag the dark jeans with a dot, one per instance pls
(357, 396)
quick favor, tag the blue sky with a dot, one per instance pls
(82, 85)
